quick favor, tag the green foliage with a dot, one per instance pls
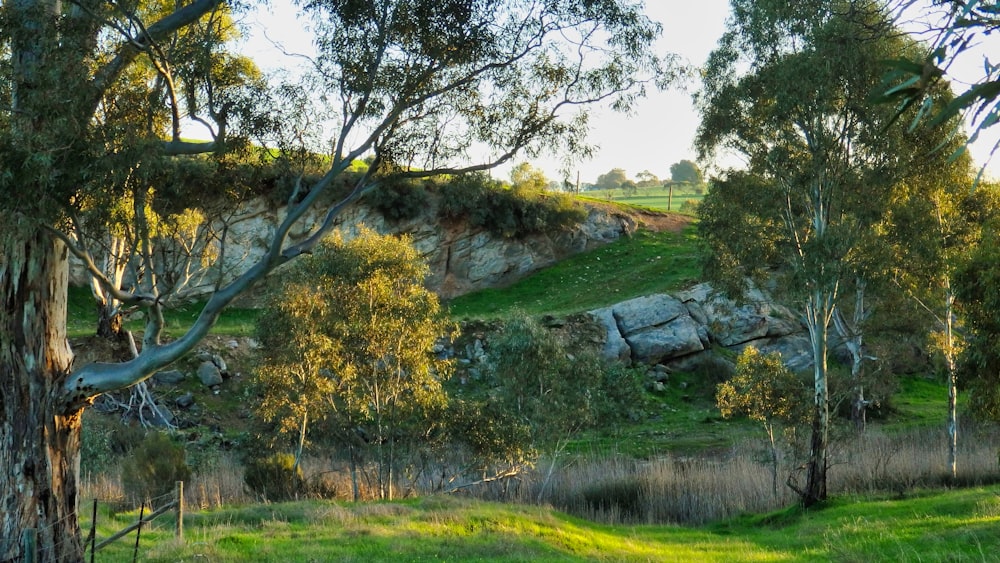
(764, 390)
(528, 178)
(274, 478)
(154, 467)
(509, 212)
(611, 180)
(104, 440)
(977, 287)
(493, 435)
(556, 391)
(399, 199)
(690, 206)
(686, 171)
(347, 340)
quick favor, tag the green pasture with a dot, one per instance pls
(957, 525)
(658, 198)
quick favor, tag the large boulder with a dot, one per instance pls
(756, 316)
(648, 329)
(677, 338)
(680, 330)
(644, 312)
(615, 346)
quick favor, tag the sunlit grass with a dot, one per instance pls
(82, 317)
(929, 526)
(645, 263)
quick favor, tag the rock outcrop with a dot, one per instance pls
(678, 330)
(461, 258)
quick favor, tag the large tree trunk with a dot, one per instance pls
(818, 312)
(39, 436)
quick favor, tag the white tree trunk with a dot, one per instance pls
(949, 358)
(818, 311)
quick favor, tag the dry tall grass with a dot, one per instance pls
(704, 489)
(664, 490)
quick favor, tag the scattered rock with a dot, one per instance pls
(185, 401)
(160, 417)
(221, 364)
(170, 377)
(209, 374)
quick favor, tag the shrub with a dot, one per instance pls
(104, 439)
(690, 207)
(504, 211)
(154, 467)
(274, 478)
(399, 200)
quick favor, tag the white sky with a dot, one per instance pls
(658, 131)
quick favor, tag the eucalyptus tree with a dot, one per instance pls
(789, 90)
(417, 83)
(934, 227)
(192, 75)
(364, 368)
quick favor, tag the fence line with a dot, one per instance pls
(29, 537)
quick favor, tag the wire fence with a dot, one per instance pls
(46, 543)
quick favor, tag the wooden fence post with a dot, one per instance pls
(180, 510)
(93, 532)
(29, 545)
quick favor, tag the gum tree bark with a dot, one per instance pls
(40, 433)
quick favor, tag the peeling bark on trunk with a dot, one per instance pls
(39, 437)
(818, 312)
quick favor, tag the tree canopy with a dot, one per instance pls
(612, 180)
(823, 159)
(347, 343)
(686, 171)
(416, 83)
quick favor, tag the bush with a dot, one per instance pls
(104, 440)
(274, 478)
(153, 468)
(507, 212)
(690, 207)
(399, 200)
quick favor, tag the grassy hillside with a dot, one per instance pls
(929, 526)
(648, 262)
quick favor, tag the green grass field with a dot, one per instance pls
(958, 525)
(657, 199)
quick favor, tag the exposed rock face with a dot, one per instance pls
(675, 330)
(461, 258)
